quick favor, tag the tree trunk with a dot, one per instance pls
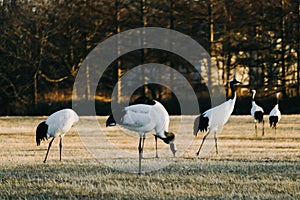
(143, 51)
(211, 40)
(283, 68)
(35, 89)
(118, 72)
(298, 51)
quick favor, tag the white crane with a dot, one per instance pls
(143, 118)
(148, 101)
(275, 114)
(215, 118)
(257, 113)
(56, 125)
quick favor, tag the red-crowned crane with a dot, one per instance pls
(148, 101)
(215, 118)
(143, 118)
(275, 114)
(56, 125)
(257, 113)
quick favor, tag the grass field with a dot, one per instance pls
(247, 166)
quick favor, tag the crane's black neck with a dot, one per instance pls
(41, 132)
(232, 88)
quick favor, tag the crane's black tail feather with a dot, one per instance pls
(273, 121)
(200, 123)
(259, 116)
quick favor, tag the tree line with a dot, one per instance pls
(43, 44)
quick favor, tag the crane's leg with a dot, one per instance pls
(202, 142)
(60, 147)
(215, 136)
(140, 155)
(50, 143)
(263, 128)
(156, 146)
(143, 145)
(255, 128)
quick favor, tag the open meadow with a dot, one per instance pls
(98, 165)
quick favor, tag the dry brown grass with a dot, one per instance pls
(247, 166)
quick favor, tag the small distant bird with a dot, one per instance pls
(143, 118)
(275, 114)
(257, 113)
(56, 125)
(215, 118)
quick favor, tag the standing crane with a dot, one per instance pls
(143, 118)
(56, 125)
(215, 118)
(257, 113)
(275, 114)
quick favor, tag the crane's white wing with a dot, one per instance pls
(276, 112)
(255, 108)
(219, 115)
(137, 118)
(61, 122)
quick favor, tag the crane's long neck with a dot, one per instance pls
(253, 95)
(277, 98)
(233, 93)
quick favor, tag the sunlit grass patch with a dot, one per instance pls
(247, 166)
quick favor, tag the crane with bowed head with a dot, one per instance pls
(143, 118)
(56, 125)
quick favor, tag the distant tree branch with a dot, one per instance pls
(16, 94)
(52, 80)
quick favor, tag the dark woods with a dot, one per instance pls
(43, 44)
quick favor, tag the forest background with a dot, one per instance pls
(43, 44)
